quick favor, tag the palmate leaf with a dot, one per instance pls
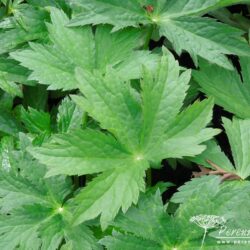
(178, 21)
(54, 65)
(126, 150)
(28, 24)
(239, 138)
(34, 212)
(149, 226)
(226, 87)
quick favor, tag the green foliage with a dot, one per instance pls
(36, 122)
(141, 132)
(26, 24)
(35, 211)
(10, 74)
(149, 226)
(54, 65)
(228, 89)
(238, 134)
(107, 110)
(179, 21)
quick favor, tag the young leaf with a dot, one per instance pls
(54, 65)
(178, 21)
(226, 86)
(135, 126)
(238, 134)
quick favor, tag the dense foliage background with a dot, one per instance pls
(124, 124)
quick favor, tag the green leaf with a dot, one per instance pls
(133, 13)
(148, 224)
(55, 64)
(204, 37)
(213, 153)
(186, 133)
(8, 123)
(162, 97)
(35, 213)
(120, 187)
(13, 71)
(190, 188)
(239, 138)
(36, 121)
(6, 101)
(122, 120)
(69, 116)
(29, 25)
(226, 86)
(120, 14)
(238, 134)
(10, 74)
(128, 242)
(83, 152)
(10, 87)
(134, 134)
(178, 21)
(60, 4)
(190, 7)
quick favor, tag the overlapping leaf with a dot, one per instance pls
(227, 88)
(9, 124)
(34, 211)
(149, 226)
(36, 121)
(28, 24)
(178, 21)
(239, 138)
(54, 65)
(139, 132)
(10, 73)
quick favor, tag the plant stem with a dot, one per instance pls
(84, 120)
